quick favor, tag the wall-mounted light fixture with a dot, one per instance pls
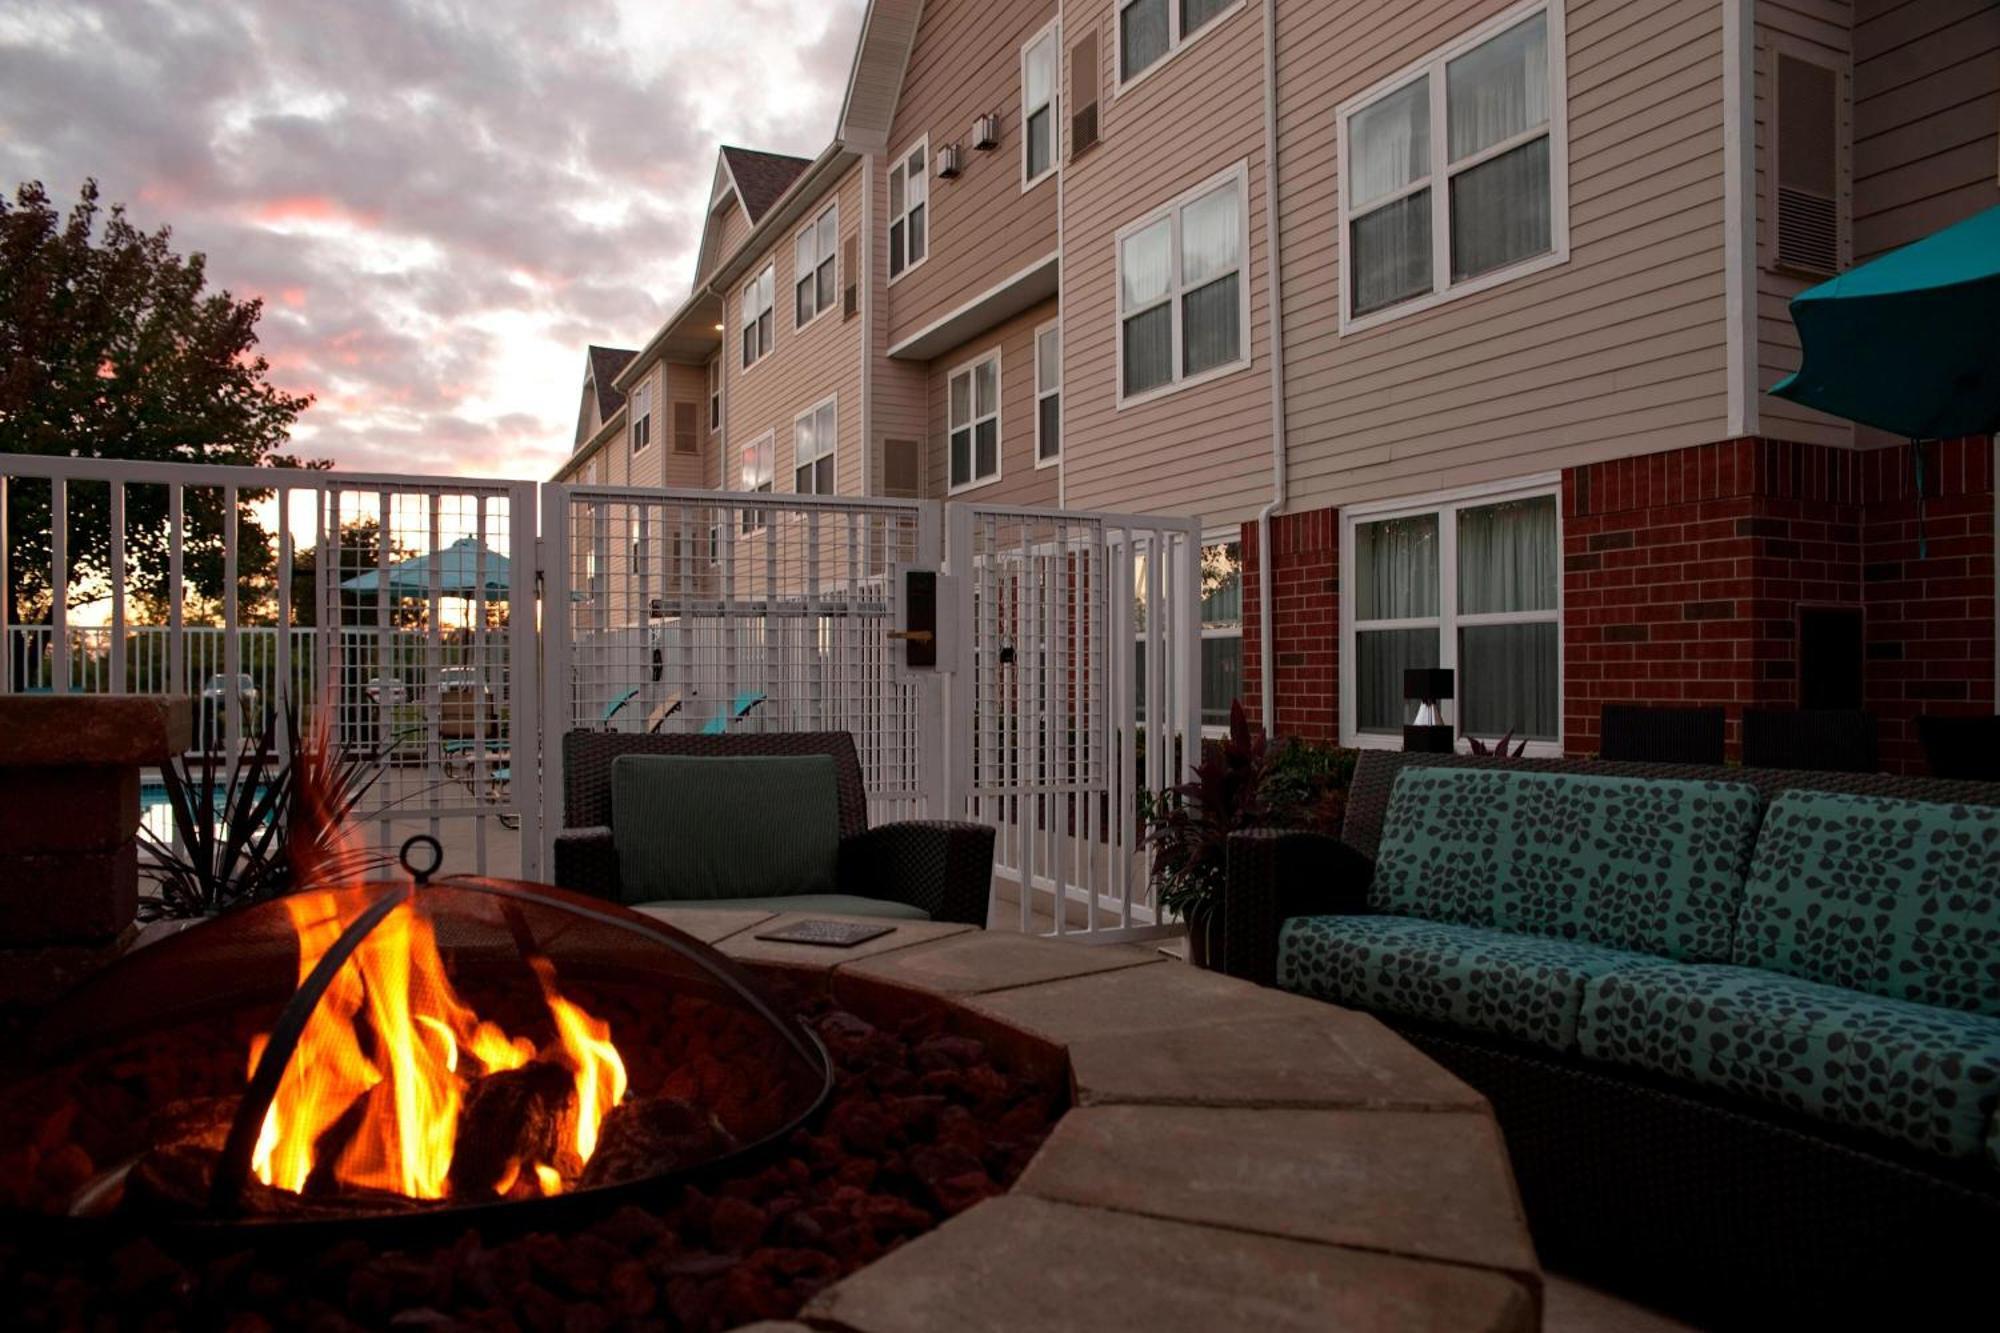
(947, 162)
(986, 132)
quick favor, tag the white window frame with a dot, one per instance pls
(1446, 505)
(1177, 41)
(972, 422)
(1223, 537)
(811, 229)
(1043, 391)
(1051, 34)
(1443, 289)
(830, 450)
(753, 519)
(715, 396)
(639, 421)
(1240, 175)
(770, 270)
(900, 162)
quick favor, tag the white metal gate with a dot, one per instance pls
(253, 589)
(707, 611)
(1076, 695)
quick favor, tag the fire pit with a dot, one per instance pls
(392, 1052)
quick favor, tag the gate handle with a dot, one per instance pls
(913, 635)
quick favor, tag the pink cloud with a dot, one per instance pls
(312, 208)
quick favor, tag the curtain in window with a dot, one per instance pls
(1378, 676)
(1390, 144)
(1048, 440)
(1396, 568)
(1499, 89)
(1194, 13)
(1507, 557)
(1142, 35)
(1211, 333)
(1507, 680)
(1211, 251)
(1038, 96)
(1146, 275)
(1500, 211)
(1392, 253)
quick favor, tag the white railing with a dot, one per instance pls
(326, 595)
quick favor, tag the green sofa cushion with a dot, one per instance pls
(1517, 986)
(828, 904)
(1647, 865)
(1897, 898)
(693, 828)
(1924, 1076)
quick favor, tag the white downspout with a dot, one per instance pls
(1266, 639)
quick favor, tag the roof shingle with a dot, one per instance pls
(761, 177)
(605, 363)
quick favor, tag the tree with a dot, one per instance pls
(111, 348)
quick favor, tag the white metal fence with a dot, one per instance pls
(406, 613)
(257, 589)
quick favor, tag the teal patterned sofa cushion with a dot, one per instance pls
(1925, 1076)
(1648, 865)
(1517, 986)
(1897, 898)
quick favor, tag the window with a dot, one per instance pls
(1038, 106)
(756, 477)
(1808, 211)
(909, 199)
(813, 438)
(687, 432)
(1221, 630)
(1183, 302)
(813, 276)
(1151, 30)
(642, 417)
(975, 422)
(757, 324)
(1455, 177)
(1471, 585)
(715, 395)
(1048, 394)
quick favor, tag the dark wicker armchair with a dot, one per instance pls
(1820, 740)
(944, 867)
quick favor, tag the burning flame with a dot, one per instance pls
(389, 1053)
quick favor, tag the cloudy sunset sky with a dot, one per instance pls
(440, 201)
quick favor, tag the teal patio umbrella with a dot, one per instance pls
(459, 570)
(1908, 342)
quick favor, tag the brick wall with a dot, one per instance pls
(1684, 573)
(1306, 604)
(1930, 619)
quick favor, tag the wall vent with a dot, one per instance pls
(1808, 185)
(1083, 94)
(902, 475)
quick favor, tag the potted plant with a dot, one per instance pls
(1241, 782)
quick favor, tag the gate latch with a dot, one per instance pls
(928, 606)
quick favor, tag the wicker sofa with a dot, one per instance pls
(1698, 1117)
(942, 867)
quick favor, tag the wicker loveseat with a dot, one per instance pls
(944, 868)
(1741, 1027)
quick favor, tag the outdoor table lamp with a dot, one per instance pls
(1431, 732)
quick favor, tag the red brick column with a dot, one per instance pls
(1930, 620)
(1684, 572)
(1306, 622)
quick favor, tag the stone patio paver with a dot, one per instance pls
(1432, 1185)
(969, 964)
(707, 925)
(1130, 1001)
(1017, 1263)
(744, 946)
(1333, 1058)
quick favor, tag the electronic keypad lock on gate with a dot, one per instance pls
(928, 613)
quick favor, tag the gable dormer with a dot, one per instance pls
(747, 183)
(601, 399)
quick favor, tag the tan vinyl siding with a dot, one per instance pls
(1927, 112)
(1020, 482)
(1204, 450)
(899, 391)
(726, 232)
(804, 366)
(1817, 31)
(982, 229)
(1618, 351)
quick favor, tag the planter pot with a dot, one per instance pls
(1201, 944)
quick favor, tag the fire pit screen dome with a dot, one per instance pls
(398, 1050)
